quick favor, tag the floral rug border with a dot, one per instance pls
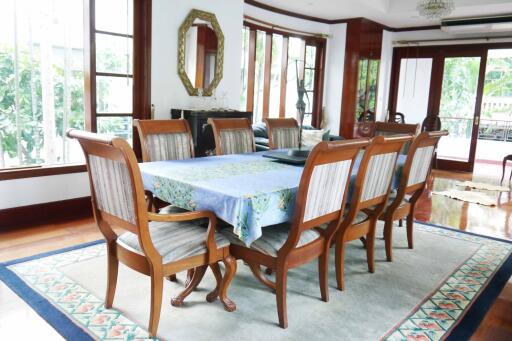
(433, 319)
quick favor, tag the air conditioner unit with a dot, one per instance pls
(490, 24)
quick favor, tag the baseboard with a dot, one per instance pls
(50, 212)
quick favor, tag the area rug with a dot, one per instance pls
(483, 186)
(469, 196)
(440, 290)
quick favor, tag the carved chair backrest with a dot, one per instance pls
(375, 174)
(323, 187)
(232, 135)
(282, 132)
(165, 139)
(116, 187)
(418, 163)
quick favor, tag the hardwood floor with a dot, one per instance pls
(491, 221)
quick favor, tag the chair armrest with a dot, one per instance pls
(211, 245)
(193, 215)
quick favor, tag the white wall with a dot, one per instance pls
(167, 90)
(334, 68)
(386, 59)
(30, 191)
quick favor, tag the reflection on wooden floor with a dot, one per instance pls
(490, 221)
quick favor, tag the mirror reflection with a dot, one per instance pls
(201, 46)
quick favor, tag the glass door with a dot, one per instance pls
(443, 81)
(459, 109)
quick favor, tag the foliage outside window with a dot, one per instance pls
(41, 81)
(42, 77)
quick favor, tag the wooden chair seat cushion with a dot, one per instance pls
(273, 238)
(174, 240)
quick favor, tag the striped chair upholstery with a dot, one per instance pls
(174, 240)
(378, 176)
(236, 141)
(420, 165)
(326, 188)
(273, 238)
(175, 146)
(285, 137)
(113, 188)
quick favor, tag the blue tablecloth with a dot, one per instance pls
(248, 191)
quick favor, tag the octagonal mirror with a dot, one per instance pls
(200, 53)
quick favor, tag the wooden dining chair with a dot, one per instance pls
(392, 128)
(232, 135)
(320, 200)
(156, 245)
(282, 132)
(413, 181)
(163, 140)
(369, 197)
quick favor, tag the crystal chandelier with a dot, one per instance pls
(435, 9)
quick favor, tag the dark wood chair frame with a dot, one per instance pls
(291, 256)
(150, 127)
(219, 124)
(396, 128)
(275, 123)
(150, 263)
(365, 229)
(399, 209)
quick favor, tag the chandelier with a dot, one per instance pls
(435, 9)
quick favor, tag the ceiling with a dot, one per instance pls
(393, 13)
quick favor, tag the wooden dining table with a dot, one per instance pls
(248, 191)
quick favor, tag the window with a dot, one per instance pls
(114, 70)
(41, 81)
(272, 62)
(45, 87)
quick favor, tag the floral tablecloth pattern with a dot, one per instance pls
(248, 191)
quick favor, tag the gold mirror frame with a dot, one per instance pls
(219, 65)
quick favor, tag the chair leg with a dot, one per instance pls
(212, 296)
(410, 226)
(323, 273)
(370, 247)
(172, 278)
(112, 271)
(157, 286)
(400, 223)
(256, 271)
(230, 264)
(388, 239)
(196, 278)
(281, 277)
(340, 264)
(190, 274)
(503, 171)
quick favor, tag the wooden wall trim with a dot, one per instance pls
(285, 12)
(284, 75)
(51, 212)
(267, 74)
(251, 68)
(33, 172)
(335, 21)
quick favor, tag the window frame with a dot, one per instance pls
(141, 75)
(318, 83)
